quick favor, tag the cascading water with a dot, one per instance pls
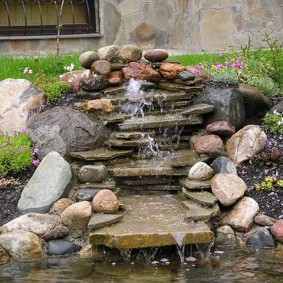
(204, 250)
(179, 238)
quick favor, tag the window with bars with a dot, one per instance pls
(42, 17)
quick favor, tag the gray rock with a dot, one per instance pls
(93, 83)
(241, 217)
(36, 223)
(186, 76)
(109, 53)
(50, 182)
(261, 239)
(93, 173)
(204, 198)
(85, 194)
(64, 129)
(194, 185)
(19, 102)
(61, 247)
(226, 236)
(228, 105)
(100, 220)
(277, 107)
(87, 58)
(228, 188)
(22, 245)
(223, 164)
(4, 256)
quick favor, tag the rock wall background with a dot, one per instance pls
(178, 25)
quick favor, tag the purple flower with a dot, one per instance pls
(24, 131)
(21, 148)
(36, 162)
(198, 67)
(219, 65)
(35, 151)
(230, 65)
(239, 64)
(220, 54)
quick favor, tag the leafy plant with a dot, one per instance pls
(269, 184)
(273, 122)
(53, 88)
(16, 153)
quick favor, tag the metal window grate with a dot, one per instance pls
(41, 17)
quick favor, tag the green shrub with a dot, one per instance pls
(53, 89)
(269, 184)
(226, 77)
(15, 153)
(273, 122)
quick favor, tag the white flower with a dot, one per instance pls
(69, 68)
(279, 123)
(276, 113)
(27, 70)
(86, 73)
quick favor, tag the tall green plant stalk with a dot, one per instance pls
(59, 27)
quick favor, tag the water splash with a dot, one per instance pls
(179, 238)
(150, 150)
(149, 254)
(126, 254)
(204, 250)
(134, 87)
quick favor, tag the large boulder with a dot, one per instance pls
(228, 105)
(64, 129)
(22, 245)
(246, 143)
(93, 83)
(50, 182)
(19, 102)
(105, 202)
(101, 67)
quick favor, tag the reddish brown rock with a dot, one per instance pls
(101, 67)
(60, 205)
(277, 230)
(208, 144)
(171, 70)
(73, 79)
(222, 128)
(103, 104)
(156, 55)
(116, 78)
(140, 71)
(245, 144)
(198, 72)
(105, 201)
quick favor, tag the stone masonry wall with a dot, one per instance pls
(182, 26)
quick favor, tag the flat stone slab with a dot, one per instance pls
(152, 221)
(131, 135)
(198, 109)
(193, 184)
(200, 213)
(153, 122)
(156, 96)
(186, 158)
(179, 87)
(100, 154)
(146, 188)
(128, 143)
(204, 198)
(153, 167)
(110, 185)
(100, 220)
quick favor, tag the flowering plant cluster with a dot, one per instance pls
(274, 122)
(53, 88)
(16, 153)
